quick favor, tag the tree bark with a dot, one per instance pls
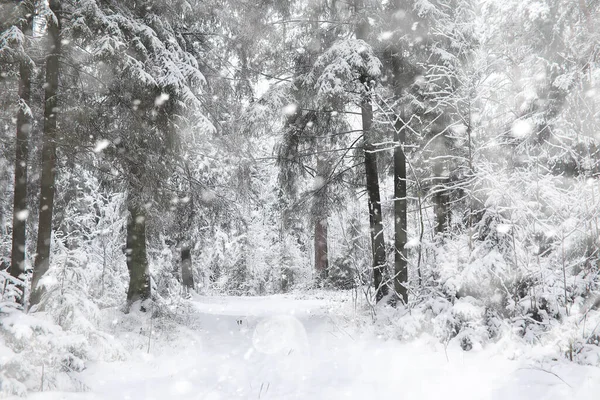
(321, 251)
(372, 176)
(440, 213)
(187, 276)
(375, 219)
(137, 261)
(320, 212)
(17, 261)
(402, 76)
(400, 215)
(42, 260)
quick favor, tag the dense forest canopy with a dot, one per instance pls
(439, 159)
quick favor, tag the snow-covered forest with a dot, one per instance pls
(311, 199)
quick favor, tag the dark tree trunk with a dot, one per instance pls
(321, 253)
(187, 276)
(372, 176)
(137, 261)
(17, 261)
(320, 211)
(400, 215)
(42, 260)
(375, 220)
(402, 75)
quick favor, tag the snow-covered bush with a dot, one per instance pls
(35, 351)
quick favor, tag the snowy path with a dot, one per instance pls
(287, 348)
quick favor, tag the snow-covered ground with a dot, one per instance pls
(282, 347)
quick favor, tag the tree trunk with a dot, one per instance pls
(137, 261)
(441, 200)
(400, 215)
(321, 253)
(375, 220)
(320, 212)
(402, 75)
(42, 260)
(20, 213)
(187, 276)
(372, 177)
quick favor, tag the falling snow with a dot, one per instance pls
(22, 215)
(290, 109)
(161, 99)
(101, 145)
(521, 129)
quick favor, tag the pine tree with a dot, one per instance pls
(51, 112)
(13, 52)
(372, 176)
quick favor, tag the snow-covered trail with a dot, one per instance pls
(280, 347)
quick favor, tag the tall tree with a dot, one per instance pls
(422, 45)
(401, 77)
(310, 132)
(47, 191)
(15, 37)
(371, 174)
(145, 58)
(20, 212)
